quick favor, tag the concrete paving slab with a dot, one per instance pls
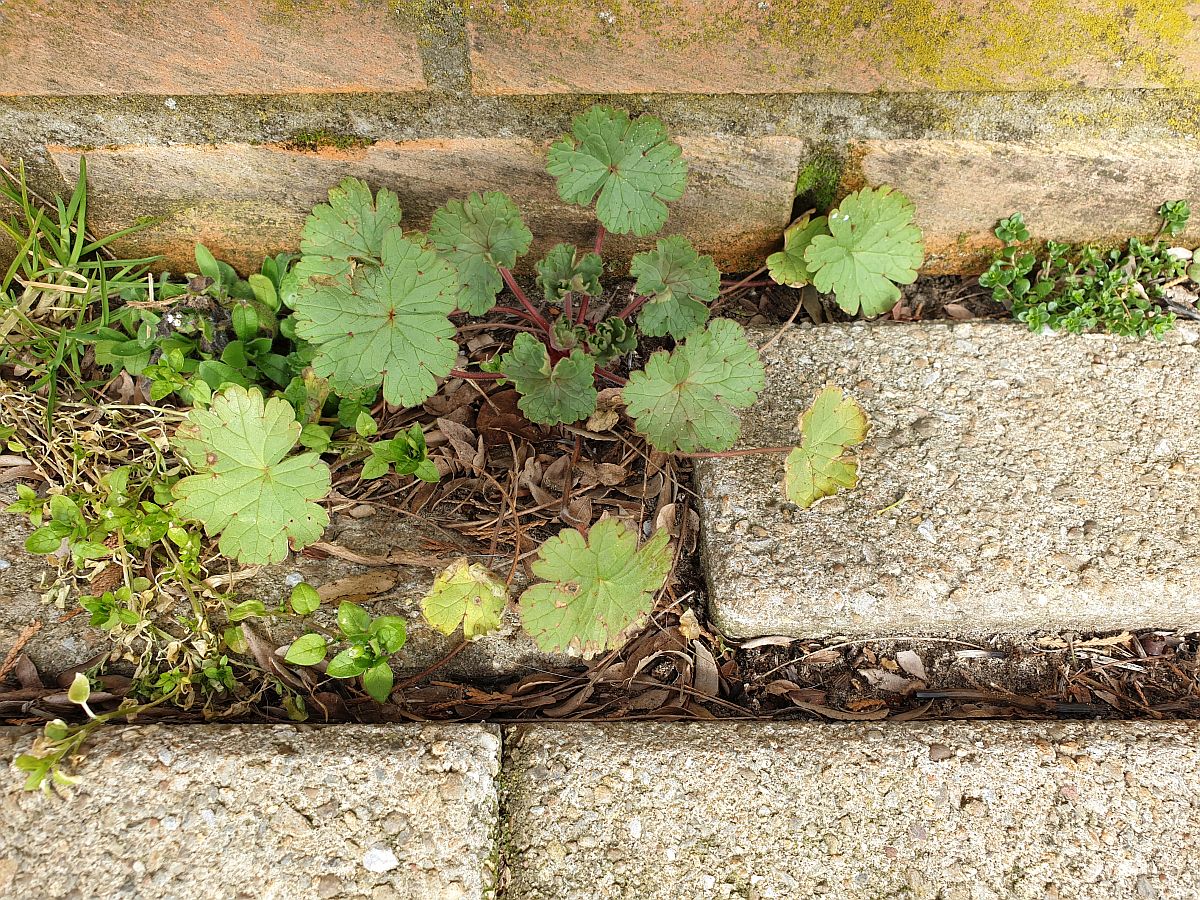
(65, 642)
(259, 811)
(1012, 482)
(946, 810)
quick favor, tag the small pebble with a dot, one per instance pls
(292, 579)
(380, 859)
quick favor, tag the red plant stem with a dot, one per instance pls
(567, 312)
(484, 326)
(520, 295)
(727, 453)
(601, 231)
(513, 311)
(744, 281)
(611, 376)
(475, 376)
(583, 307)
(633, 307)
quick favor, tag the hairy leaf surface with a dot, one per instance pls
(788, 266)
(246, 487)
(821, 464)
(631, 165)
(387, 325)
(871, 247)
(680, 284)
(349, 228)
(475, 236)
(564, 271)
(596, 589)
(685, 399)
(554, 395)
(468, 595)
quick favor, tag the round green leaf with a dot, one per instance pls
(596, 590)
(304, 599)
(563, 393)
(628, 167)
(377, 681)
(476, 236)
(680, 284)
(307, 650)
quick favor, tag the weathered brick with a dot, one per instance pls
(1100, 191)
(694, 46)
(107, 47)
(1012, 482)
(243, 201)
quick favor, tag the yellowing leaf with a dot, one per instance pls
(596, 589)
(467, 595)
(246, 487)
(821, 464)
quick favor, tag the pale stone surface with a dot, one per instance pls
(244, 200)
(65, 642)
(203, 811)
(1068, 190)
(955, 811)
(1011, 482)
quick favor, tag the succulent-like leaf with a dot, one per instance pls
(685, 399)
(246, 487)
(350, 227)
(871, 247)
(564, 271)
(467, 595)
(612, 337)
(594, 590)
(549, 395)
(679, 282)
(387, 324)
(475, 236)
(821, 464)
(632, 165)
(788, 265)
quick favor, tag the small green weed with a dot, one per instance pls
(1077, 289)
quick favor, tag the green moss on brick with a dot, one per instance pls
(312, 140)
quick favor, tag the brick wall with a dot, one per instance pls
(227, 120)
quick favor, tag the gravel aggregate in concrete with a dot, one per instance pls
(259, 812)
(1011, 482)
(945, 810)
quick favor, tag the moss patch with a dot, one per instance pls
(312, 140)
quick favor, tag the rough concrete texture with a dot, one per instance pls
(1068, 190)
(66, 642)
(241, 200)
(694, 46)
(226, 47)
(954, 811)
(1011, 482)
(283, 812)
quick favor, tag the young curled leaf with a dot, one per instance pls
(685, 399)
(594, 590)
(821, 464)
(630, 164)
(475, 236)
(564, 271)
(550, 395)
(468, 595)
